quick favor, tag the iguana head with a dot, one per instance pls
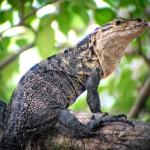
(111, 39)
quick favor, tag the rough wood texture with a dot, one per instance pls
(120, 136)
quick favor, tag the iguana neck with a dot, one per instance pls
(110, 41)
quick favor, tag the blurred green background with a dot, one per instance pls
(31, 30)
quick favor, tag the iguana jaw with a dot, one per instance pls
(112, 39)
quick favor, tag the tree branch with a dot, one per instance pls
(13, 56)
(21, 9)
(141, 100)
(34, 11)
(120, 136)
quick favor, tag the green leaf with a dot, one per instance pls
(148, 102)
(64, 22)
(90, 4)
(78, 9)
(21, 42)
(45, 41)
(7, 86)
(112, 3)
(64, 17)
(45, 37)
(103, 15)
(3, 19)
(42, 2)
(15, 4)
(78, 24)
(1, 1)
(46, 20)
(3, 47)
(6, 16)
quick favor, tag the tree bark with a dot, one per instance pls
(143, 96)
(120, 136)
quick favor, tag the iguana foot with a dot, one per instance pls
(119, 116)
(95, 123)
(105, 114)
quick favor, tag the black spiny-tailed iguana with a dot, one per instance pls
(43, 94)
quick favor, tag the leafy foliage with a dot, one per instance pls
(55, 24)
(100, 17)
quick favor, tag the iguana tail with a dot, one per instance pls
(3, 106)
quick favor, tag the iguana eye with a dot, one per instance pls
(118, 22)
(139, 20)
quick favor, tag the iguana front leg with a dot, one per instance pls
(91, 86)
(93, 101)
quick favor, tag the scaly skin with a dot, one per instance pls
(44, 93)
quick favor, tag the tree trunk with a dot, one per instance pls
(120, 136)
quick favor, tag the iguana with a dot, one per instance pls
(43, 94)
